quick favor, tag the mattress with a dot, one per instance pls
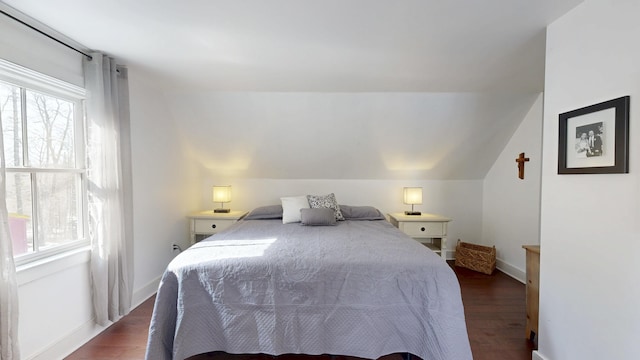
(361, 288)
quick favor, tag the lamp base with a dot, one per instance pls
(412, 213)
(222, 210)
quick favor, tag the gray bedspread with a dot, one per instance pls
(361, 288)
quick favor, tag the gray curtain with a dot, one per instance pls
(109, 187)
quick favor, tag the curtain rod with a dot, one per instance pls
(45, 34)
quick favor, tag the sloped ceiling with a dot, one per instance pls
(473, 66)
(318, 45)
(347, 135)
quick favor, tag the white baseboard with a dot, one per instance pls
(73, 341)
(511, 270)
(145, 292)
(450, 254)
(69, 343)
(535, 355)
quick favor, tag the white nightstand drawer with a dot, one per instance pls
(211, 225)
(428, 229)
(206, 223)
(423, 229)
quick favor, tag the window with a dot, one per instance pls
(43, 134)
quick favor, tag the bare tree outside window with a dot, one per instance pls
(44, 181)
(50, 131)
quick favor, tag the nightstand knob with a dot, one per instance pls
(422, 229)
(213, 226)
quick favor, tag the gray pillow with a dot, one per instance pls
(265, 213)
(318, 216)
(361, 213)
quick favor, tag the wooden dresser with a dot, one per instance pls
(533, 286)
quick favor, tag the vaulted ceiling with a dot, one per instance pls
(318, 45)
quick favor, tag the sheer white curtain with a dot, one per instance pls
(109, 181)
(8, 284)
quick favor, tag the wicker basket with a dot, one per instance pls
(476, 257)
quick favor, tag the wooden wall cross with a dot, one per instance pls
(521, 160)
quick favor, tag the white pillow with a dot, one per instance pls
(291, 208)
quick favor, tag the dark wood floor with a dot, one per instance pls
(494, 309)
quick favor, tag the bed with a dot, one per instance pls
(360, 288)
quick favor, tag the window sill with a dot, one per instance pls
(41, 268)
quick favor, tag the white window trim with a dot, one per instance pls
(33, 80)
(41, 268)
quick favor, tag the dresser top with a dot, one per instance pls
(423, 217)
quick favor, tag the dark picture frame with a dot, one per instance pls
(595, 139)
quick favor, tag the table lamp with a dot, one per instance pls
(222, 194)
(413, 196)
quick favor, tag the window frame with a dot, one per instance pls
(29, 80)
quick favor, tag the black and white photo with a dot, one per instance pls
(590, 140)
(595, 139)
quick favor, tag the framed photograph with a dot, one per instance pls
(595, 139)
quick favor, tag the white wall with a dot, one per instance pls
(589, 223)
(55, 308)
(165, 184)
(511, 206)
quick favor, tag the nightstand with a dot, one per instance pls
(428, 229)
(206, 223)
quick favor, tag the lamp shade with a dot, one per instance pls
(222, 194)
(413, 195)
